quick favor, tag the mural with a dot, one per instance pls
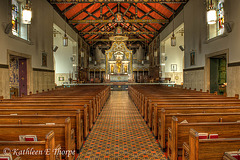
(14, 72)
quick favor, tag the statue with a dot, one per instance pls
(112, 69)
(125, 68)
(119, 63)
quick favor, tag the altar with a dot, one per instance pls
(119, 67)
(118, 77)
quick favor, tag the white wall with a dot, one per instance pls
(63, 63)
(174, 54)
(41, 40)
(196, 32)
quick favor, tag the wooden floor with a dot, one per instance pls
(120, 133)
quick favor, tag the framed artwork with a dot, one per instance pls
(192, 58)
(173, 67)
(60, 78)
(44, 59)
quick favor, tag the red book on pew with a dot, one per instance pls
(213, 136)
(203, 135)
(237, 156)
(29, 139)
(5, 156)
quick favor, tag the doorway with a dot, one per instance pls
(18, 76)
(218, 74)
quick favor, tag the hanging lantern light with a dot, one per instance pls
(65, 40)
(211, 16)
(27, 14)
(173, 40)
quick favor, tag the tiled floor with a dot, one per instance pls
(120, 133)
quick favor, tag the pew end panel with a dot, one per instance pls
(185, 151)
(208, 149)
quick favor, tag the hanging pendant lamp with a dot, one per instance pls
(211, 14)
(27, 14)
(65, 38)
(173, 38)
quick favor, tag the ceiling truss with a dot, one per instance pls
(96, 23)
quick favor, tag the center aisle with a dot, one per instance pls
(120, 133)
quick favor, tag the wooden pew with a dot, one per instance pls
(44, 119)
(149, 104)
(199, 114)
(50, 103)
(178, 133)
(156, 113)
(46, 143)
(233, 155)
(63, 134)
(84, 111)
(88, 99)
(209, 149)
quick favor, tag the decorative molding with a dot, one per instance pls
(235, 64)
(4, 66)
(194, 69)
(42, 70)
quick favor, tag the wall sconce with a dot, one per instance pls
(95, 63)
(27, 14)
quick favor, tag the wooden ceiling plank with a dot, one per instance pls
(126, 10)
(108, 40)
(83, 10)
(155, 10)
(148, 16)
(168, 7)
(110, 10)
(68, 8)
(115, 1)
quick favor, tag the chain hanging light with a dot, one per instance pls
(27, 13)
(65, 38)
(173, 38)
(211, 14)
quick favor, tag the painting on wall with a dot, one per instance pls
(44, 59)
(173, 67)
(60, 78)
(14, 72)
(192, 58)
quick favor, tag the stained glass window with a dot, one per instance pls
(19, 29)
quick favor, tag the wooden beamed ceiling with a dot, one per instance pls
(95, 20)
